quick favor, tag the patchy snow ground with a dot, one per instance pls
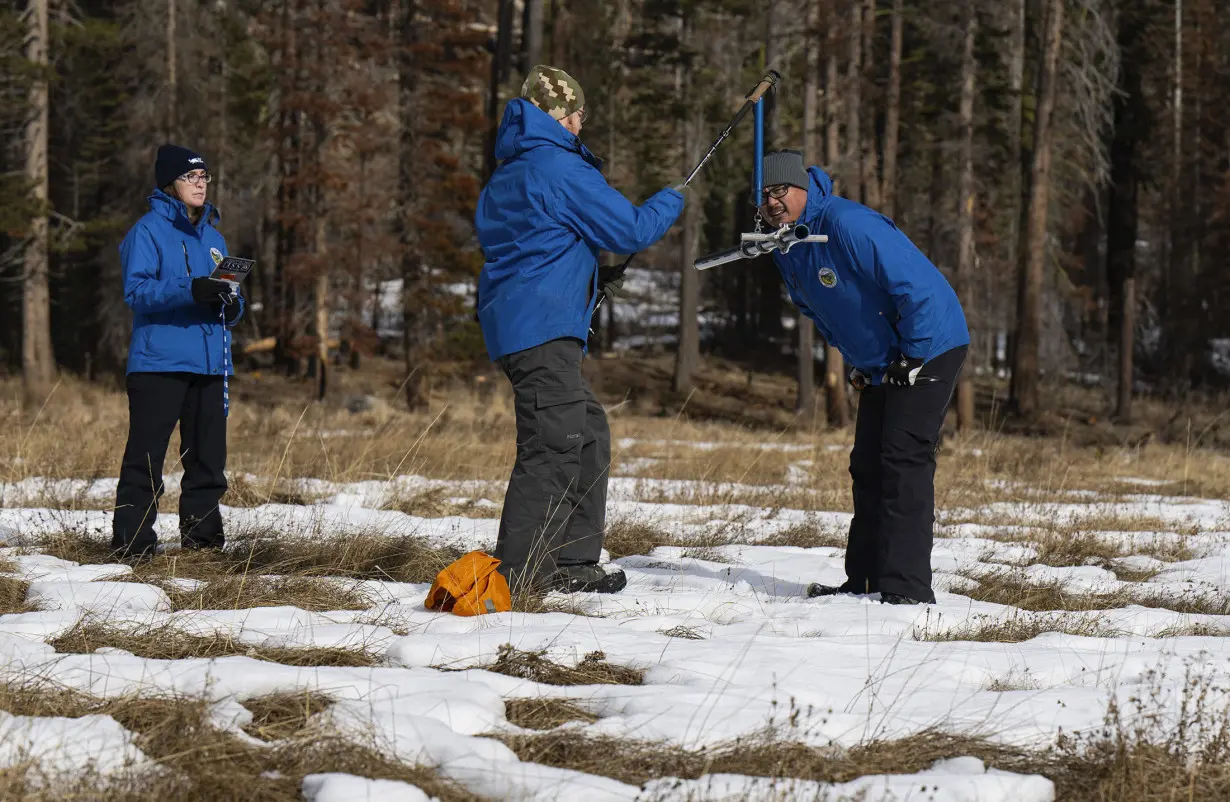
(833, 671)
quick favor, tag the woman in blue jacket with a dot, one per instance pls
(894, 317)
(178, 359)
(541, 220)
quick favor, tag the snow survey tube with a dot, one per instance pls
(754, 245)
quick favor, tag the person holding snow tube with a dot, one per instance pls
(899, 325)
(541, 220)
(178, 359)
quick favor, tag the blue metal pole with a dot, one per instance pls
(758, 167)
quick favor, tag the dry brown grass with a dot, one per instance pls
(436, 503)
(626, 537)
(394, 558)
(1017, 628)
(534, 666)
(808, 535)
(13, 594)
(242, 592)
(544, 714)
(283, 715)
(244, 491)
(77, 545)
(207, 763)
(1011, 589)
(168, 643)
(1114, 765)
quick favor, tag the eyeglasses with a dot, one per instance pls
(777, 192)
(196, 178)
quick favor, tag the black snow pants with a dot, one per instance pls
(156, 403)
(892, 466)
(555, 506)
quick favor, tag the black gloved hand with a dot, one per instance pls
(210, 291)
(611, 281)
(231, 311)
(904, 371)
(858, 380)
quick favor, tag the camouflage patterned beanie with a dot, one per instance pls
(554, 91)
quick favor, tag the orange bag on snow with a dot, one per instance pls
(470, 586)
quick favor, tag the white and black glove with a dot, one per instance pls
(858, 380)
(904, 371)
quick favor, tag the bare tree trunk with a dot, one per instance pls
(870, 162)
(407, 170)
(965, 212)
(37, 358)
(1127, 344)
(805, 398)
(533, 33)
(1174, 283)
(1025, 369)
(835, 401)
(1122, 214)
(854, 82)
(1015, 124)
(322, 302)
(687, 356)
(172, 102)
(892, 114)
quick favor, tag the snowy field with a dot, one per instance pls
(1057, 613)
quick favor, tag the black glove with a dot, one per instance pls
(904, 371)
(611, 281)
(858, 379)
(231, 311)
(210, 291)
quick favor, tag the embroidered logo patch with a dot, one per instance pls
(827, 277)
(216, 255)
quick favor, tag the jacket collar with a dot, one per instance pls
(526, 127)
(176, 211)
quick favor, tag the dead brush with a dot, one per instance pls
(284, 715)
(534, 666)
(76, 544)
(545, 713)
(243, 592)
(436, 503)
(169, 643)
(245, 491)
(13, 593)
(808, 535)
(392, 558)
(207, 763)
(1020, 627)
(626, 537)
(1011, 589)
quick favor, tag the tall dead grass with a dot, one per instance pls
(469, 435)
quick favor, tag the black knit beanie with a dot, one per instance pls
(173, 161)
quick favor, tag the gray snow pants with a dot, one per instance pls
(555, 506)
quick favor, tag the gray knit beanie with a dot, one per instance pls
(785, 167)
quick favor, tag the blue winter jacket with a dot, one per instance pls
(161, 255)
(541, 220)
(871, 292)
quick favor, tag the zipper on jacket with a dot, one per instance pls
(204, 331)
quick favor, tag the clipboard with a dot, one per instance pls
(233, 269)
